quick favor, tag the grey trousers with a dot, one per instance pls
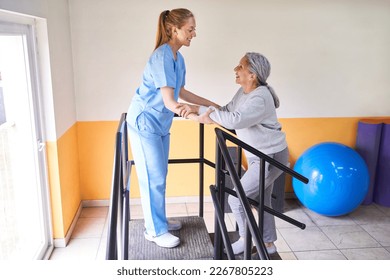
(250, 183)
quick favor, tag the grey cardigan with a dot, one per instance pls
(253, 117)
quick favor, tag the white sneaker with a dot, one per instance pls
(238, 246)
(271, 248)
(174, 225)
(165, 240)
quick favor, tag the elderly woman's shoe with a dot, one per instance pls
(271, 248)
(238, 246)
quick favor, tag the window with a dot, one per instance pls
(24, 203)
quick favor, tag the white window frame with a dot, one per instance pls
(21, 25)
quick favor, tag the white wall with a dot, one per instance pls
(29, 7)
(61, 62)
(329, 58)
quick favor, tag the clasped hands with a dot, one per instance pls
(185, 110)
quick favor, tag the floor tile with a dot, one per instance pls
(349, 237)
(321, 220)
(366, 254)
(101, 253)
(287, 256)
(89, 228)
(369, 214)
(309, 239)
(77, 249)
(94, 212)
(281, 244)
(381, 232)
(105, 228)
(296, 214)
(320, 255)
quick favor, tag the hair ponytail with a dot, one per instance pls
(162, 36)
(167, 20)
(274, 96)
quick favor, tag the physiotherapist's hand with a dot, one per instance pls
(187, 109)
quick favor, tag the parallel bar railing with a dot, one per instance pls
(117, 229)
(119, 210)
(253, 231)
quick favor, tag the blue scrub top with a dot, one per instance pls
(147, 111)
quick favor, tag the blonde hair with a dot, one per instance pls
(167, 20)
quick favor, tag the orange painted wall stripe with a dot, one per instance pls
(96, 142)
(64, 180)
(96, 145)
(55, 189)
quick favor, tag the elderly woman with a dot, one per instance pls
(252, 114)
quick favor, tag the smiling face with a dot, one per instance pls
(185, 34)
(244, 77)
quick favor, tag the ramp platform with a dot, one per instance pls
(195, 242)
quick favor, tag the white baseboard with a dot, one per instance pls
(96, 203)
(62, 242)
(176, 199)
(137, 201)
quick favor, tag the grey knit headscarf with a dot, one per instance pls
(260, 66)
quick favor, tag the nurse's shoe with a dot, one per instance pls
(165, 240)
(174, 225)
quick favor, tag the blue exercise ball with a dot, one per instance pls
(338, 179)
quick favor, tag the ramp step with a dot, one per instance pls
(195, 242)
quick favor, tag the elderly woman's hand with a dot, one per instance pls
(205, 117)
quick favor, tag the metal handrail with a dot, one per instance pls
(253, 231)
(221, 224)
(119, 210)
(115, 248)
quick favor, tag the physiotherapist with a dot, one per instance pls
(150, 116)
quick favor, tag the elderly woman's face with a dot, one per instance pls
(243, 75)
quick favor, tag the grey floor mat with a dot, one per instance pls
(195, 242)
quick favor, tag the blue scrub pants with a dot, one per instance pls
(150, 153)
